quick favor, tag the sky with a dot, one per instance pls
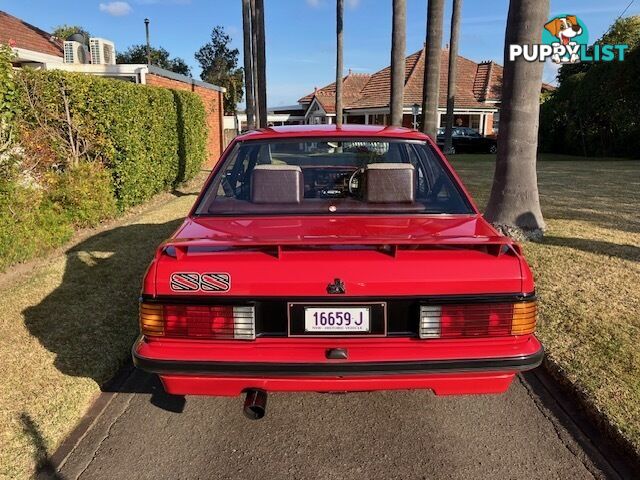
(300, 34)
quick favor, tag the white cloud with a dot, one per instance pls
(117, 9)
(314, 3)
(353, 4)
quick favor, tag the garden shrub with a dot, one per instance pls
(88, 148)
(83, 194)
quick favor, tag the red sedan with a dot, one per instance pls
(334, 260)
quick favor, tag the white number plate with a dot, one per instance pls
(344, 319)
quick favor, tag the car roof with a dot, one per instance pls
(347, 131)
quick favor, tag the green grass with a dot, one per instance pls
(67, 326)
(587, 272)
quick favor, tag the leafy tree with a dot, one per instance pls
(65, 31)
(219, 65)
(160, 57)
(594, 109)
(624, 31)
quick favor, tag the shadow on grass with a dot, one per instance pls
(623, 251)
(90, 320)
(44, 468)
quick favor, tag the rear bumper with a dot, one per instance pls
(488, 373)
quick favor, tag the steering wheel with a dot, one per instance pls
(352, 177)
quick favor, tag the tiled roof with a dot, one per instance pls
(352, 86)
(20, 34)
(476, 83)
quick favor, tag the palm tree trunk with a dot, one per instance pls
(453, 72)
(248, 65)
(398, 47)
(430, 93)
(514, 204)
(339, 62)
(261, 64)
(254, 61)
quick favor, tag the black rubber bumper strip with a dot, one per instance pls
(244, 369)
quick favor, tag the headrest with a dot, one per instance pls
(277, 184)
(389, 183)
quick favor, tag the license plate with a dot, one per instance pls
(337, 319)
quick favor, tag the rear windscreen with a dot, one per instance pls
(315, 176)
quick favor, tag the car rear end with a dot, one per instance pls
(322, 285)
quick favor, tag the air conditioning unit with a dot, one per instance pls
(103, 52)
(75, 52)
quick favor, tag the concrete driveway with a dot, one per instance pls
(142, 433)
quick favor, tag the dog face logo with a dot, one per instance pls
(568, 31)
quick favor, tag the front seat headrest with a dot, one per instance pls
(277, 184)
(389, 183)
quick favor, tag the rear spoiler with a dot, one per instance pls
(493, 245)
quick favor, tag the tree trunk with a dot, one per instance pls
(453, 72)
(430, 93)
(339, 62)
(261, 63)
(398, 47)
(514, 204)
(254, 60)
(248, 65)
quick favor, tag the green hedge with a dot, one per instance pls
(135, 141)
(151, 138)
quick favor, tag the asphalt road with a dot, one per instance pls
(523, 434)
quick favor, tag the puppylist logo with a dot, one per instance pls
(565, 39)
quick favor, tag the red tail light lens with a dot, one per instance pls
(490, 320)
(477, 320)
(199, 321)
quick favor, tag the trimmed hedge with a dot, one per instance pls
(151, 138)
(84, 149)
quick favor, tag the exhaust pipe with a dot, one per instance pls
(255, 404)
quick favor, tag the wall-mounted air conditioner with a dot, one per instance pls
(103, 52)
(75, 52)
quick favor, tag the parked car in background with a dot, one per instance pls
(333, 260)
(468, 140)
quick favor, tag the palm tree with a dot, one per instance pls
(339, 66)
(430, 93)
(453, 72)
(398, 47)
(248, 65)
(254, 61)
(514, 204)
(261, 63)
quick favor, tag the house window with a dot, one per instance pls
(475, 122)
(496, 121)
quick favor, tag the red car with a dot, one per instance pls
(336, 260)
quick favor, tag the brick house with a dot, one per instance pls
(36, 48)
(366, 97)
(31, 45)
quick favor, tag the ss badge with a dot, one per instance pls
(216, 282)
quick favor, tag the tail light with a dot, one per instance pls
(478, 320)
(198, 321)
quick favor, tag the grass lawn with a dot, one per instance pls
(67, 325)
(587, 272)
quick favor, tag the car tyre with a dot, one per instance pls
(493, 148)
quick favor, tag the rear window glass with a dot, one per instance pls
(332, 176)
